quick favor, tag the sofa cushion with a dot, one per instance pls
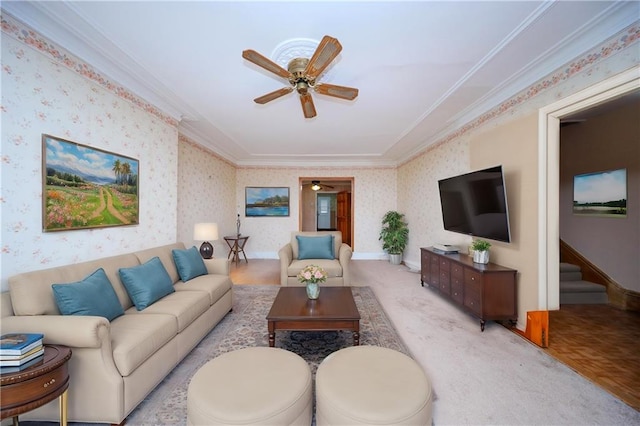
(146, 283)
(320, 247)
(31, 291)
(164, 253)
(135, 338)
(93, 296)
(189, 263)
(214, 285)
(184, 306)
(331, 266)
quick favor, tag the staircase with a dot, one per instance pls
(575, 291)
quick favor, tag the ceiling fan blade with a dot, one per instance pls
(273, 95)
(307, 105)
(266, 63)
(344, 92)
(326, 52)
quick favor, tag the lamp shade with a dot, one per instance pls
(205, 232)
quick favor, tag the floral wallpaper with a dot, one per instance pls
(451, 155)
(47, 90)
(42, 95)
(207, 193)
(419, 199)
(374, 193)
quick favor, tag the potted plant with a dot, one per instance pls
(394, 235)
(480, 251)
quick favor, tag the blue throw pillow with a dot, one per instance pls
(316, 247)
(189, 263)
(92, 296)
(146, 283)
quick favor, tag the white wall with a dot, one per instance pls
(41, 95)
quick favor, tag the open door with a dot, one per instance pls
(344, 216)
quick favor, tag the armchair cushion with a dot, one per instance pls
(315, 247)
(293, 257)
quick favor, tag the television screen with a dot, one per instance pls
(475, 204)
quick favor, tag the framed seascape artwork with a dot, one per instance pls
(600, 194)
(85, 187)
(266, 201)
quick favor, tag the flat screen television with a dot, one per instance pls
(475, 204)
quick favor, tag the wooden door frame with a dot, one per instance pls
(329, 179)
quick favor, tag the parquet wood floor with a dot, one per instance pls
(602, 343)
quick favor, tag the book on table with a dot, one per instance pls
(13, 362)
(20, 357)
(19, 343)
(16, 368)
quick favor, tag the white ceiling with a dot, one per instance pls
(423, 68)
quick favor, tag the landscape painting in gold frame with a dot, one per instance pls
(85, 187)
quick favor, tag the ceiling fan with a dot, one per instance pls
(303, 73)
(317, 186)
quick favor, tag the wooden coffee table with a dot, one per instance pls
(334, 309)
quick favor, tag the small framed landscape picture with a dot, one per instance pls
(85, 187)
(600, 194)
(266, 201)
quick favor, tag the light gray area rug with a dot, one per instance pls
(493, 377)
(246, 326)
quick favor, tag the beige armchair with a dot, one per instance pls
(337, 266)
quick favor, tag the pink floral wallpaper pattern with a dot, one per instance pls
(42, 95)
(46, 90)
(206, 193)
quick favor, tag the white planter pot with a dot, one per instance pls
(395, 259)
(481, 256)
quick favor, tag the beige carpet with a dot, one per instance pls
(485, 378)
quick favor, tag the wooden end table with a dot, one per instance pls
(334, 309)
(35, 386)
(236, 246)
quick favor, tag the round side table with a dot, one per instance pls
(35, 386)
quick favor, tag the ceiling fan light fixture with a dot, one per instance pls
(302, 87)
(315, 185)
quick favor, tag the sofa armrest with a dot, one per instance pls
(286, 257)
(74, 331)
(344, 256)
(217, 266)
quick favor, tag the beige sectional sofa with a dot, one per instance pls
(116, 364)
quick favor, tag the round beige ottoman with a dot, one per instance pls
(251, 386)
(374, 386)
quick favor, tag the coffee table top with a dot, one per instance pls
(334, 303)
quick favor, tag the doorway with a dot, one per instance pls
(549, 172)
(326, 204)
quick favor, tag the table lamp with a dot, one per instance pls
(205, 232)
